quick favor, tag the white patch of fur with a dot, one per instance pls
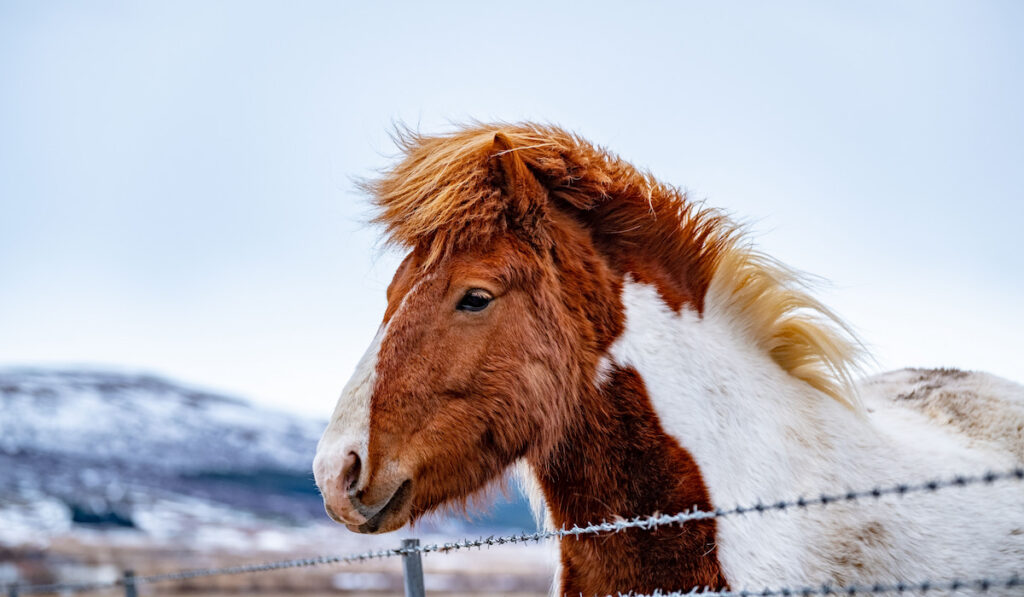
(759, 434)
(603, 372)
(530, 487)
(349, 427)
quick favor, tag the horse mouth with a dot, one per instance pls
(387, 518)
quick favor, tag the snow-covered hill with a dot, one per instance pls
(143, 422)
(104, 449)
(99, 450)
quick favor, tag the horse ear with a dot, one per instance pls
(526, 197)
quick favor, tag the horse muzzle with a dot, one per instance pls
(362, 502)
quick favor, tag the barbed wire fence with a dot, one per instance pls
(411, 550)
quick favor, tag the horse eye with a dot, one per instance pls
(474, 300)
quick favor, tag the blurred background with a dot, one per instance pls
(187, 277)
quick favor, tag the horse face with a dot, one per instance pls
(464, 377)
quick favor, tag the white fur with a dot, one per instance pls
(529, 485)
(603, 371)
(759, 434)
(349, 428)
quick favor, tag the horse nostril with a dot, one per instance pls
(350, 472)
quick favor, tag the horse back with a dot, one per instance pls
(985, 410)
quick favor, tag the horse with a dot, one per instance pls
(565, 314)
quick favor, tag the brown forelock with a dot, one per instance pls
(463, 401)
(446, 194)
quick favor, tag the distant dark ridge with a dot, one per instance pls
(85, 515)
(278, 481)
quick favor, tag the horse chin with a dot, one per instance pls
(392, 516)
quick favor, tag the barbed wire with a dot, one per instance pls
(648, 522)
(975, 584)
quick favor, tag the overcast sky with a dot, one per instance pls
(176, 189)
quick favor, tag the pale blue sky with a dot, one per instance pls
(176, 187)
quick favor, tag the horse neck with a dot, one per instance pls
(614, 460)
(690, 414)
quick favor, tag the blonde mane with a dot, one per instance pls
(803, 336)
(443, 196)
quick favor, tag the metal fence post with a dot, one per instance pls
(413, 568)
(129, 584)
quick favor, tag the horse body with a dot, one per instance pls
(562, 309)
(760, 436)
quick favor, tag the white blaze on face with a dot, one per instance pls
(349, 428)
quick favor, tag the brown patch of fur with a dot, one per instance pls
(644, 471)
(854, 552)
(939, 373)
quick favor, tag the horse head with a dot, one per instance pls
(496, 321)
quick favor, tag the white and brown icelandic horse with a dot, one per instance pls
(561, 310)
